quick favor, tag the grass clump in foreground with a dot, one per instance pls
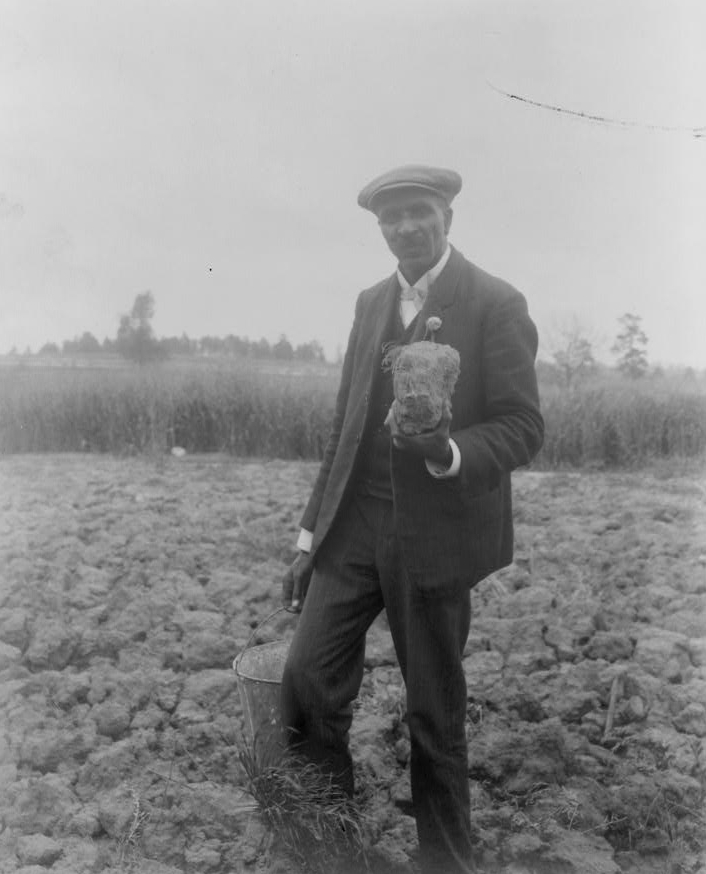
(306, 815)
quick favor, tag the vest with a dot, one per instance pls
(373, 475)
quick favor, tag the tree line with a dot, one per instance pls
(135, 340)
(572, 351)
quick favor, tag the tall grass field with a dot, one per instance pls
(274, 410)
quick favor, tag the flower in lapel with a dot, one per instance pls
(433, 325)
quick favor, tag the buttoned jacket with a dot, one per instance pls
(452, 532)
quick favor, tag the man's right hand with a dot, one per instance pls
(296, 581)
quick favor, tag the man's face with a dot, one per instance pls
(415, 224)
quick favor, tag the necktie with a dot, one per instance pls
(414, 294)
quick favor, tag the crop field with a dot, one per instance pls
(272, 410)
(231, 406)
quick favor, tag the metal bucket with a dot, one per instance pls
(258, 671)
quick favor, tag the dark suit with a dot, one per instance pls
(459, 530)
(419, 554)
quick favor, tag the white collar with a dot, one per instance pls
(430, 276)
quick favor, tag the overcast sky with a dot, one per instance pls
(212, 152)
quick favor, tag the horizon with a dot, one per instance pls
(543, 356)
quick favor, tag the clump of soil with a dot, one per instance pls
(424, 375)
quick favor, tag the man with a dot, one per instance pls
(411, 523)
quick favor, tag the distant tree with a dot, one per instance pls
(177, 345)
(135, 339)
(49, 349)
(210, 346)
(86, 344)
(630, 347)
(236, 345)
(311, 351)
(261, 349)
(573, 353)
(282, 350)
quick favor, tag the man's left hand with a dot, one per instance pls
(430, 445)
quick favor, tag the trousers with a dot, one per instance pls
(358, 572)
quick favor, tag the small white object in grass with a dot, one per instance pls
(178, 451)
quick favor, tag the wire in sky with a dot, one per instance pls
(697, 132)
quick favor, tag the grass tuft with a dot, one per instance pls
(307, 815)
(129, 852)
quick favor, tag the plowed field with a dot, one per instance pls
(127, 586)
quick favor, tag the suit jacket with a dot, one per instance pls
(453, 532)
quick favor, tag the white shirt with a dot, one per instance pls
(408, 309)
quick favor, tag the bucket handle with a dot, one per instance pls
(257, 628)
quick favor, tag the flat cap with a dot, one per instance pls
(445, 183)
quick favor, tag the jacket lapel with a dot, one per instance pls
(379, 318)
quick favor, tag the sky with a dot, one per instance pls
(212, 153)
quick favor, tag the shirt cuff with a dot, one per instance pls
(440, 471)
(304, 540)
